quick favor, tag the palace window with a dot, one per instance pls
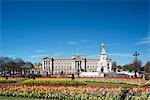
(108, 64)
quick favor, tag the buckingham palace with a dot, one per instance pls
(76, 64)
(68, 65)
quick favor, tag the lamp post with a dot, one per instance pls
(135, 62)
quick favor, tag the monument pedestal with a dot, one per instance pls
(102, 75)
(103, 66)
(91, 74)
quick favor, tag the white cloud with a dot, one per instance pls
(11, 55)
(94, 56)
(73, 43)
(57, 54)
(39, 50)
(60, 42)
(84, 41)
(113, 44)
(80, 42)
(121, 54)
(37, 56)
(145, 40)
(89, 46)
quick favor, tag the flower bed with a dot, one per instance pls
(78, 81)
(133, 81)
(83, 81)
(147, 83)
(76, 92)
(55, 81)
(11, 80)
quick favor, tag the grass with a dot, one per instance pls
(18, 98)
(100, 84)
(108, 84)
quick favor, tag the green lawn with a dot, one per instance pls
(17, 98)
(98, 84)
(108, 84)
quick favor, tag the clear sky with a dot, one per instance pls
(36, 28)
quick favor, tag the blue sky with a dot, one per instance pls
(36, 28)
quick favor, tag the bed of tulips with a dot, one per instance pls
(83, 81)
(12, 80)
(77, 81)
(77, 89)
(76, 92)
(56, 81)
(133, 81)
(147, 83)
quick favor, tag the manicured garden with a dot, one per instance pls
(76, 89)
(75, 92)
(79, 81)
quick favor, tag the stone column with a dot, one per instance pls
(75, 65)
(78, 68)
(80, 65)
(110, 66)
(85, 64)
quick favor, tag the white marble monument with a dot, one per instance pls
(104, 65)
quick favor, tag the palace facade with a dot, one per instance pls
(76, 64)
(68, 66)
